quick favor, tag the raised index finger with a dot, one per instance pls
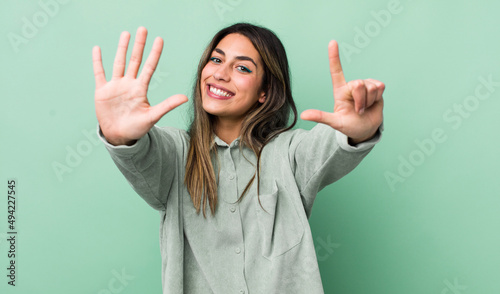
(338, 79)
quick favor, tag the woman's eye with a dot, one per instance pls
(215, 59)
(243, 69)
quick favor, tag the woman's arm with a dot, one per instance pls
(152, 163)
(322, 156)
(339, 142)
(145, 154)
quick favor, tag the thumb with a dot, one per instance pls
(159, 110)
(334, 120)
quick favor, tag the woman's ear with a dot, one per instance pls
(262, 97)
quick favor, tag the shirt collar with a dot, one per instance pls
(221, 143)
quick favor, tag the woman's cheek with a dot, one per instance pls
(207, 71)
(247, 84)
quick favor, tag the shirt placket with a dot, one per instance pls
(229, 179)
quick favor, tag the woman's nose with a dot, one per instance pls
(222, 73)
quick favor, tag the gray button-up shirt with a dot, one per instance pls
(243, 248)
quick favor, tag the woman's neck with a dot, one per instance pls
(228, 130)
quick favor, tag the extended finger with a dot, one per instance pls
(136, 57)
(100, 78)
(331, 119)
(152, 61)
(380, 88)
(158, 111)
(358, 90)
(338, 79)
(121, 53)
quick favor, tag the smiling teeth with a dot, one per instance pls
(219, 92)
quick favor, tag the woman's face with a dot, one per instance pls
(231, 80)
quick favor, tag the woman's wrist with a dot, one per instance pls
(121, 142)
(354, 141)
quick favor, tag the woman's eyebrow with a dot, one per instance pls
(237, 57)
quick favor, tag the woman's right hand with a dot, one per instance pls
(122, 108)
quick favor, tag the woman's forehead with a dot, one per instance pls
(234, 45)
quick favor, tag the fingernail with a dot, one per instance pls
(361, 111)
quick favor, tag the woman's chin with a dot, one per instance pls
(210, 109)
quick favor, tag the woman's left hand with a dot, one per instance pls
(357, 112)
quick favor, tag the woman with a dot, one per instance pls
(240, 157)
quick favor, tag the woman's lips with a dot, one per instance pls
(213, 95)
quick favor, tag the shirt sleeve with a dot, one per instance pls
(149, 165)
(322, 156)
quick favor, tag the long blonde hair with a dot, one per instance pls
(261, 124)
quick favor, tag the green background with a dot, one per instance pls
(405, 221)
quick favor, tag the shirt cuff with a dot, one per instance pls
(123, 150)
(343, 143)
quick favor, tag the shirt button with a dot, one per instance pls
(242, 291)
(236, 144)
(231, 177)
(233, 209)
(237, 250)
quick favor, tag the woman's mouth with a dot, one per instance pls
(218, 93)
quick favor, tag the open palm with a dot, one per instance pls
(122, 107)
